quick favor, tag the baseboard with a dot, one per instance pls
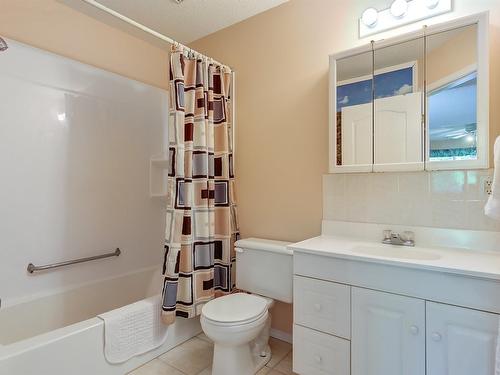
(283, 336)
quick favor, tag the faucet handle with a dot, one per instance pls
(408, 236)
(387, 234)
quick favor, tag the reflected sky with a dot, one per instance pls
(396, 82)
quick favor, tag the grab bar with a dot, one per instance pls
(32, 268)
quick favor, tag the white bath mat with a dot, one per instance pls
(133, 330)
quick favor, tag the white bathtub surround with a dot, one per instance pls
(445, 199)
(68, 331)
(81, 139)
(133, 330)
(492, 208)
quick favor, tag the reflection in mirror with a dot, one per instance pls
(354, 110)
(452, 94)
(398, 106)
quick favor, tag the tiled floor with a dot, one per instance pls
(194, 357)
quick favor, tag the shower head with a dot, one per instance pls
(3, 45)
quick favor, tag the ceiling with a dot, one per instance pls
(191, 19)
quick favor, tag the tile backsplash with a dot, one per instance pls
(444, 199)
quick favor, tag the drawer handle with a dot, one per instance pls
(414, 330)
(317, 358)
(436, 337)
(317, 307)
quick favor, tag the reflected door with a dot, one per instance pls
(398, 106)
(398, 130)
(357, 134)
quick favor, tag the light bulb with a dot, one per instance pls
(399, 8)
(370, 17)
(431, 4)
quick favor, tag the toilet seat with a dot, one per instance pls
(235, 309)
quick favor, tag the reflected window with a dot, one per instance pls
(452, 119)
(392, 82)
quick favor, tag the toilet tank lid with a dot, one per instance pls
(264, 245)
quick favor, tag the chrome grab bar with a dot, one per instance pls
(32, 268)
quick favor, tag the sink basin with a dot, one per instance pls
(399, 252)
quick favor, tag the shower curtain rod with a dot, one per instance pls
(146, 29)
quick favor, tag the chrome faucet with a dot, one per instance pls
(407, 238)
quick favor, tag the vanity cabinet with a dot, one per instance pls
(362, 318)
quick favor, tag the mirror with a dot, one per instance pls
(418, 101)
(353, 114)
(452, 95)
(398, 106)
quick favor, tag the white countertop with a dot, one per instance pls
(458, 261)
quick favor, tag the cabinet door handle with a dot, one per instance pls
(317, 307)
(317, 358)
(414, 330)
(436, 336)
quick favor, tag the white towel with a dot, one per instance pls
(492, 208)
(133, 329)
(497, 356)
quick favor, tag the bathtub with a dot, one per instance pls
(61, 333)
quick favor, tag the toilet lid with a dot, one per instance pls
(235, 308)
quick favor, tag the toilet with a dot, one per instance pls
(239, 324)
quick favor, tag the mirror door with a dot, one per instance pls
(398, 106)
(455, 136)
(353, 115)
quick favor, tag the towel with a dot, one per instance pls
(497, 357)
(492, 208)
(133, 329)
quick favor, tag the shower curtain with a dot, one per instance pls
(201, 217)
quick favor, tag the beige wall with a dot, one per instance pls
(57, 28)
(281, 59)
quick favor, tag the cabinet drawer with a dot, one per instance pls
(316, 353)
(322, 305)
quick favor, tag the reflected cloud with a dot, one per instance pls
(403, 90)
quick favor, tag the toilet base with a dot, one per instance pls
(248, 358)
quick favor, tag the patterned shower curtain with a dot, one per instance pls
(201, 222)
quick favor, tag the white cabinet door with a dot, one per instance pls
(357, 130)
(388, 334)
(398, 131)
(460, 341)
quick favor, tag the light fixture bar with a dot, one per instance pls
(402, 14)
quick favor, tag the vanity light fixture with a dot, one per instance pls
(399, 8)
(400, 12)
(370, 17)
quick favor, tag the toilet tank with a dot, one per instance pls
(265, 267)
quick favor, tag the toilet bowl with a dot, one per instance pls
(235, 323)
(239, 324)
